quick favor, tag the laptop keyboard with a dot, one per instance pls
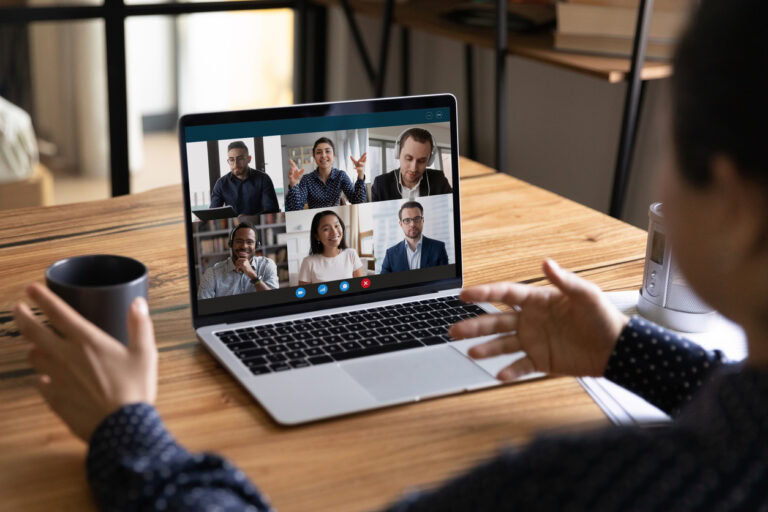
(326, 339)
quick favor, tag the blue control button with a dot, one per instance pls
(344, 286)
(322, 289)
(300, 292)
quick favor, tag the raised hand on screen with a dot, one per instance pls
(83, 373)
(360, 164)
(294, 175)
(570, 329)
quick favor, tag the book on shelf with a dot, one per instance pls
(600, 20)
(613, 46)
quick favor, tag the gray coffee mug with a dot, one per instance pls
(101, 287)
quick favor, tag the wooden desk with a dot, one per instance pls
(354, 463)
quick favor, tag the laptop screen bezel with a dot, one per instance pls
(318, 110)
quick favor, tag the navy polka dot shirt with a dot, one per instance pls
(312, 191)
(712, 457)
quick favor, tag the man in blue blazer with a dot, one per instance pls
(416, 251)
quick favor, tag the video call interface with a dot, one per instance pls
(281, 215)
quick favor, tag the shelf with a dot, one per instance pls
(212, 233)
(425, 15)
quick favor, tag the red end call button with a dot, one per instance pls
(365, 283)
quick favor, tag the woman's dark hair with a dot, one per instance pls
(719, 90)
(323, 140)
(315, 245)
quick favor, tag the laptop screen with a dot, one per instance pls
(309, 204)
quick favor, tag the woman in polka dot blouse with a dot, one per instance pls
(711, 457)
(323, 187)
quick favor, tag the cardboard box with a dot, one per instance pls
(37, 190)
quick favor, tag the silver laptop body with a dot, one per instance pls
(316, 391)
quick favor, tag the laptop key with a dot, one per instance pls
(421, 325)
(333, 339)
(314, 351)
(391, 321)
(370, 351)
(296, 345)
(374, 324)
(294, 354)
(369, 342)
(277, 349)
(433, 340)
(320, 324)
(338, 329)
(404, 336)
(257, 351)
(368, 333)
(279, 367)
(403, 328)
(424, 316)
(300, 363)
(284, 338)
(386, 339)
(241, 345)
(263, 333)
(385, 330)
(350, 336)
(320, 359)
(255, 361)
(320, 333)
(317, 342)
(333, 349)
(265, 342)
(302, 327)
(350, 345)
(438, 331)
(284, 330)
(259, 370)
(303, 335)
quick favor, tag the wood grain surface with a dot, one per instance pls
(354, 463)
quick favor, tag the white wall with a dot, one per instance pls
(563, 125)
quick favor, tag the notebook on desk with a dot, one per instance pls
(305, 327)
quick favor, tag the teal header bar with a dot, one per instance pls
(315, 124)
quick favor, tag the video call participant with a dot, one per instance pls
(245, 189)
(323, 187)
(416, 150)
(242, 272)
(416, 251)
(329, 257)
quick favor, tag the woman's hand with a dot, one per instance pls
(360, 165)
(567, 330)
(84, 373)
(294, 175)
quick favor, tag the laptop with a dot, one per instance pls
(222, 212)
(351, 302)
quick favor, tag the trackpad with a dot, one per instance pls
(417, 374)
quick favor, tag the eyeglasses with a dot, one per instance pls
(239, 159)
(416, 220)
(246, 242)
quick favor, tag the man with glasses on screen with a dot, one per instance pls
(242, 272)
(248, 191)
(416, 251)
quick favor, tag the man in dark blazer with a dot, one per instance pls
(416, 251)
(416, 151)
(248, 191)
